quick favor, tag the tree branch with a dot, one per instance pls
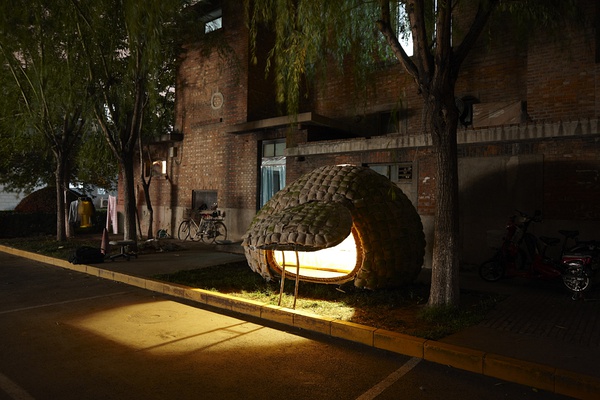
(416, 14)
(443, 37)
(385, 27)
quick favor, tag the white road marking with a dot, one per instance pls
(390, 380)
(60, 302)
(13, 390)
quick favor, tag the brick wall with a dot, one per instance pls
(209, 158)
(557, 82)
(212, 159)
(562, 76)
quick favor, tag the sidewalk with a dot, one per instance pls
(538, 322)
(537, 336)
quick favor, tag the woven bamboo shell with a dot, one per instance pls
(321, 208)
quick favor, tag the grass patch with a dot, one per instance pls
(401, 310)
(47, 245)
(446, 320)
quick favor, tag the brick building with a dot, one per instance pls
(530, 140)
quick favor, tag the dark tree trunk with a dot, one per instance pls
(146, 187)
(445, 288)
(435, 70)
(126, 162)
(61, 219)
(61, 179)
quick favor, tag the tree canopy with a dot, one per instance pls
(78, 68)
(41, 54)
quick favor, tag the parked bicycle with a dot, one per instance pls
(209, 229)
(581, 262)
(523, 254)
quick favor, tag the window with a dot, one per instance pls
(400, 173)
(206, 199)
(272, 169)
(273, 148)
(213, 21)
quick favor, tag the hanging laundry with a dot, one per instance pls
(74, 213)
(111, 214)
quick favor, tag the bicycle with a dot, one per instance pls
(210, 228)
(522, 254)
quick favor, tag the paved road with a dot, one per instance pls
(67, 335)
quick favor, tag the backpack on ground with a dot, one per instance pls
(87, 255)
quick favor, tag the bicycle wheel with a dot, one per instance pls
(575, 278)
(492, 270)
(184, 230)
(220, 232)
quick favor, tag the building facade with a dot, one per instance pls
(529, 139)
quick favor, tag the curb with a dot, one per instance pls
(509, 369)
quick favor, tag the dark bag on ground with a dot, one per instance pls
(87, 255)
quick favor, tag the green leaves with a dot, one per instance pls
(312, 35)
(131, 55)
(44, 88)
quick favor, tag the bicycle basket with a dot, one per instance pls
(191, 214)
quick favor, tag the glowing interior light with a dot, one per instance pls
(327, 263)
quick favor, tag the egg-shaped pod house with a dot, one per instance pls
(337, 224)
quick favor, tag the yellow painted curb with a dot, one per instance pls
(576, 385)
(218, 300)
(134, 281)
(155, 286)
(247, 307)
(277, 314)
(455, 356)
(175, 289)
(518, 371)
(312, 322)
(197, 295)
(351, 331)
(399, 343)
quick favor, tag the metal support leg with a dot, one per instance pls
(297, 277)
(282, 277)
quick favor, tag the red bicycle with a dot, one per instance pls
(523, 254)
